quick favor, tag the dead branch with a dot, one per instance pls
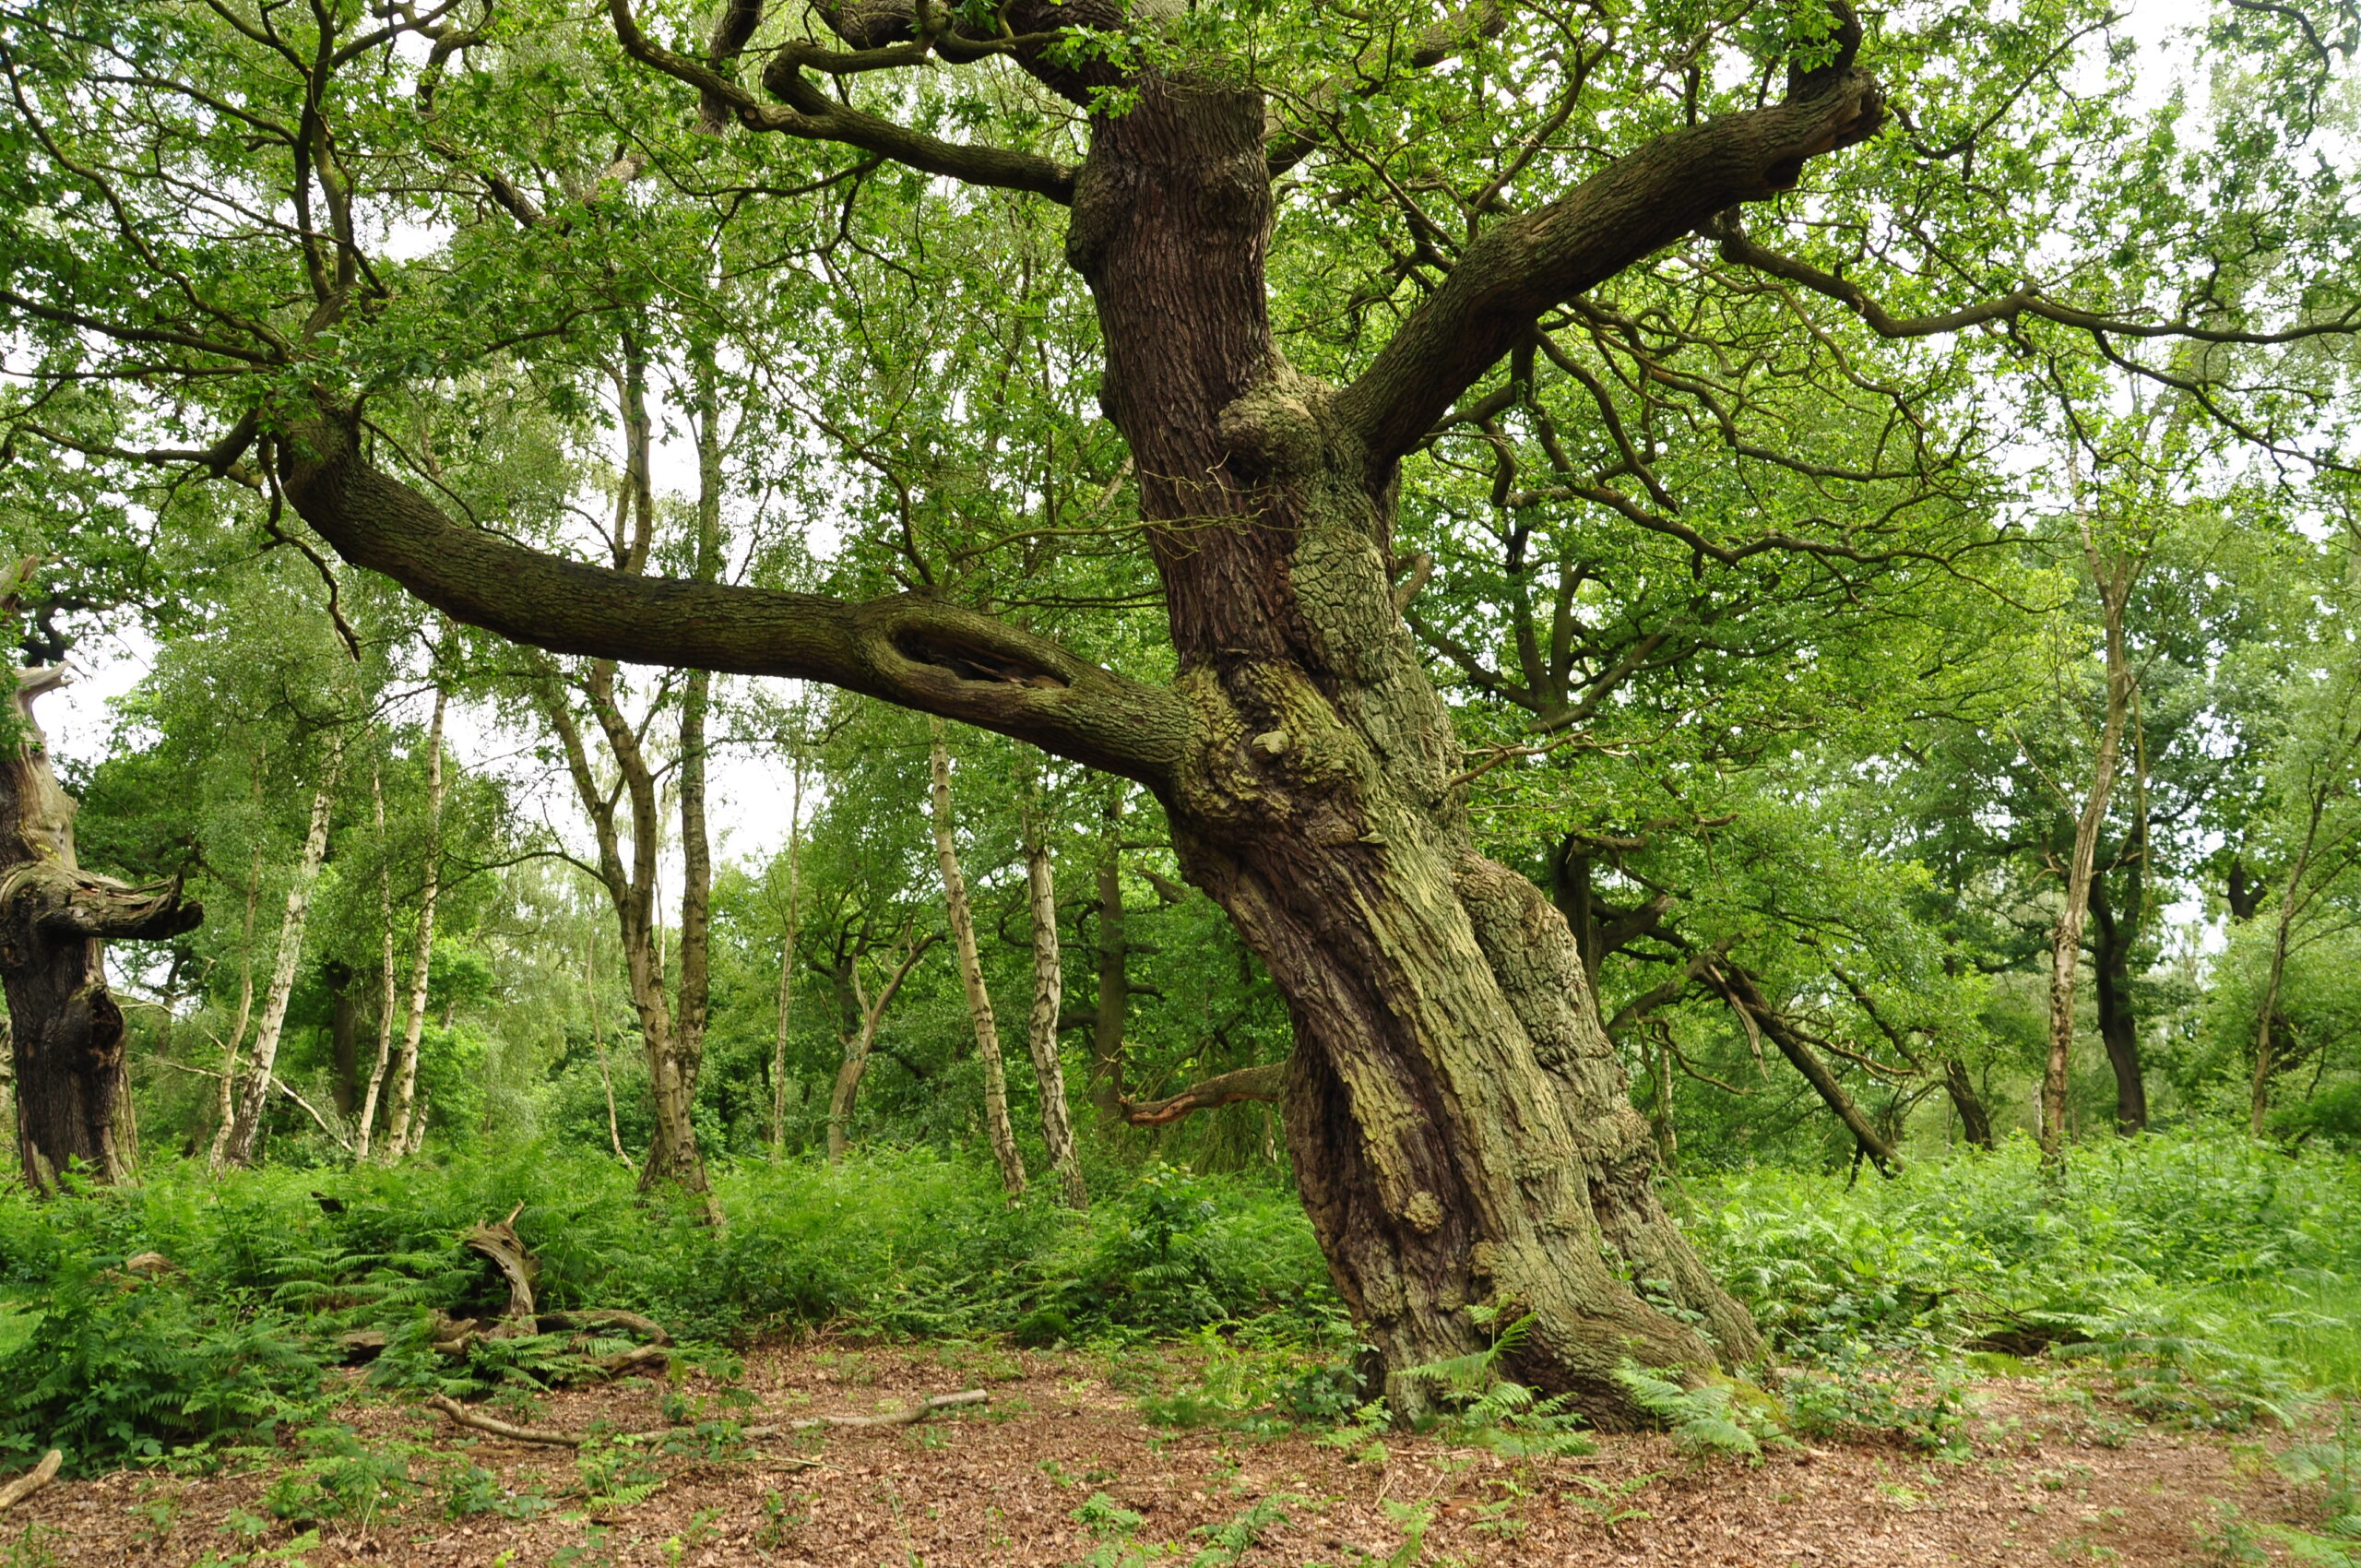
(32, 1480)
(501, 1243)
(1268, 1082)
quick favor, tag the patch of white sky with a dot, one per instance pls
(749, 769)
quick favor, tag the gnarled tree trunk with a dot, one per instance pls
(64, 1029)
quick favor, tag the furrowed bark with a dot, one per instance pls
(66, 1033)
(255, 1100)
(971, 974)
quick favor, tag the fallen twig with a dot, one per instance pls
(32, 1480)
(553, 1438)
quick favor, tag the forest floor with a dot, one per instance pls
(1060, 1467)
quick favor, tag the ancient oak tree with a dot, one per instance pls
(1458, 1119)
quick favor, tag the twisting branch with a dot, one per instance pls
(812, 115)
(2024, 300)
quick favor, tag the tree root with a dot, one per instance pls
(908, 1416)
(32, 1480)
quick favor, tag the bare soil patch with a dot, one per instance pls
(2052, 1475)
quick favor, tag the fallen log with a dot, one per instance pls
(908, 1416)
(32, 1480)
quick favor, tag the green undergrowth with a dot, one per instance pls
(2213, 1279)
(2211, 1282)
(265, 1269)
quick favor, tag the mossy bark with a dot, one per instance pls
(1460, 1127)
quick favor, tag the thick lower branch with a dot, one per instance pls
(97, 908)
(914, 652)
(1631, 208)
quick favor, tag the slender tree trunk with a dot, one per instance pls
(786, 960)
(226, 1087)
(1114, 967)
(1049, 999)
(865, 1015)
(386, 995)
(2111, 944)
(676, 1076)
(1745, 996)
(64, 1030)
(255, 1100)
(1975, 1122)
(598, 1044)
(344, 1038)
(971, 974)
(2265, 1055)
(2113, 579)
(405, 1129)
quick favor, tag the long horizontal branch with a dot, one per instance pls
(910, 650)
(1636, 206)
